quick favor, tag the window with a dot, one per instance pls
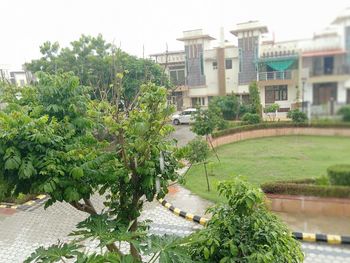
(177, 76)
(198, 101)
(202, 64)
(276, 93)
(228, 63)
(240, 56)
(194, 51)
(328, 65)
(215, 65)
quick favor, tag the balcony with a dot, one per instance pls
(330, 71)
(275, 75)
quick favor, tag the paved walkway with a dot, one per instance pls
(22, 232)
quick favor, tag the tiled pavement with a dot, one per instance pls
(23, 231)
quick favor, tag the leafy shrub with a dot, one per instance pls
(272, 108)
(243, 230)
(222, 125)
(297, 116)
(307, 187)
(322, 180)
(339, 174)
(251, 118)
(345, 112)
(227, 105)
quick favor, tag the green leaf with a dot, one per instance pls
(12, 163)
(71, 194)
(206, 253)
(233, 250)
(77, 173)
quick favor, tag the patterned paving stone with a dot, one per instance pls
(24, 231)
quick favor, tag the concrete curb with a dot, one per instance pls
(39, 199)
(183, 214)
(308, 237)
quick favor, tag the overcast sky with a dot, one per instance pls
(26, 24)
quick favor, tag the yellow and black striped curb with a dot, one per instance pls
(39, 199)
(330, 239)
(309, 237)
(181, 213)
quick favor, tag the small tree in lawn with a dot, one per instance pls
(197, 151)
(205, 123)
(254, 99)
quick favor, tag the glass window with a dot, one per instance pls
(215, 65)
(228, 63)
(202, 64)
(276, 93)
(240, 56)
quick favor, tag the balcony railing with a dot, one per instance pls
(342, 70)
(274, 75)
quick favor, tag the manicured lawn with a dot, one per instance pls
(270, 159)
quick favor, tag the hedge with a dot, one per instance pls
(284, 124)
(306, 188)
(339, 174)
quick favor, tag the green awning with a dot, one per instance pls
(281, 65)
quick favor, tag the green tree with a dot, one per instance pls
(254, 99)
(48, 145)
(205, 122)
(197, 152)
(95, 62)
(244, 230)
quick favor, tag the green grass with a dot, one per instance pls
(270, 159)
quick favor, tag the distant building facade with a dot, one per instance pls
(19, 77)
(292, 73)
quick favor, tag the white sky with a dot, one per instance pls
(26, 24)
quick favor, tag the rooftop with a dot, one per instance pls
(250, 25)
(344, 15)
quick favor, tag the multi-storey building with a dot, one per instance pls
(295, 73)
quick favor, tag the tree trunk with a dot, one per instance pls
(216, 154)
(133, 251)
(89, 208)
(206, 175)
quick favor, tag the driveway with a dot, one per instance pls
(182, 134)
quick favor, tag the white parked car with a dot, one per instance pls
(184, 117)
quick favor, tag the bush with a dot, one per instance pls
(222, 125)
(227, 105)
(243, 230)
(251, 118)
(339, 174)
(272, 108)
(345, 112)
(307, 187)
(274, 125)
(297, 116)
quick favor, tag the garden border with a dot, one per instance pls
(38, 200)
(263, 131)
(308, 237)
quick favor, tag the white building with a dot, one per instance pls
(294, 73)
